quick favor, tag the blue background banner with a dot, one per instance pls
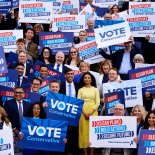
(43, 134)
(64, 108)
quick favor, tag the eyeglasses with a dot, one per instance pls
(18, 92)
(36, 84)
(73, 52)
(36, 109)
(119, 109)
(82, 35)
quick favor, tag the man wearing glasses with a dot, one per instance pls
(16, 109)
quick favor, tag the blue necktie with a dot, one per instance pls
(57, 67)
(70, 89)
(20, 112)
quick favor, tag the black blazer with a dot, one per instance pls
(118, 55)
(63, 88)
(11, 109)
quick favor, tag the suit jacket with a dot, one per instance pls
(63, 88)
(11, 109)
(63, 67)
(118, 55)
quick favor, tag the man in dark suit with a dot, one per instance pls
(59, 59)
(123, 58)
(69, 88)
(21, 78)
(16, 109)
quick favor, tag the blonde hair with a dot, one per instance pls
(142, 109)
(84, 63)
(4, 116)
(84, 31)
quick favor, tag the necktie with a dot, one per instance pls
(20, 112)
(18, 82)
(57, 67)
(70, 90)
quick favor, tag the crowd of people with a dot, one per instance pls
(83, 85)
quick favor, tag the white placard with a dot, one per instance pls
(35, 12)
(139, 65)
(68, 23)
(132, 91)
(120, 16)
(112, 131)
(112, 35)
(105, 3)
(141, 26)
(8, 39)
(6, 142)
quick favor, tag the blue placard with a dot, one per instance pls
(3, 66)
(111, 99)
(9, 79)
(56, 41)
(147, 77)
(5, 5)
(64, 108)
(43, 134)
(6, 93)
(15, 4)
(32, 97)
(146, 142)
(101, 23)
(99, 11)
(90, 35)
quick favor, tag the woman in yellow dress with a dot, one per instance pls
(90, 94)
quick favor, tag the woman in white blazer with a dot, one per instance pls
(4, 121)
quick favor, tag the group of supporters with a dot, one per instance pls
(82, 85)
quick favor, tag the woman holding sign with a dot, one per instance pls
(90, 94)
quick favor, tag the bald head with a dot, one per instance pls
(59, 57)
(107, 16)
(90, 23)
(119, 110)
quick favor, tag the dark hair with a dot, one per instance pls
(82, 84)
(31, 29)
(38, 79)
(18, 87)
(111, 9)
(146, 124)
(55, 81)
(42, 111)
(43, 65)
(19, 64)
(115, 69)
(50, 59)
(20, 40)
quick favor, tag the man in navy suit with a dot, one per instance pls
(16, 109)
(21, 78)
(59, 59)
(123, 58)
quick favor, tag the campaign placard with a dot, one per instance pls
(146, 142)
(140, 65)
(56, 41)
(64, 107)
(90, 35)
(3, 66)
(99, 11)
(68, 23)
(6, 93)
(6, 142)
(111, 99)
(35, 12)
(5, 5)
(15, 4)
(141, 8)
(105, 3)
(112, 131)
(9, 79)
(141, 25)
(88, 52)
(68, 5)
(88, 12)
(8, 39)
(132, 91)
(113, 34)
(120, 16)
(147, 77)
(43, 134)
